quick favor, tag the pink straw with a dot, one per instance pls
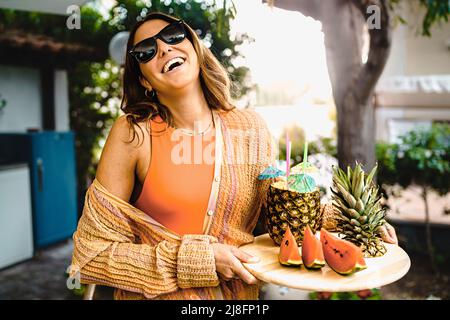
(288, 155)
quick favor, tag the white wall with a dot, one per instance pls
(427, 55)
(395, 64)
(393, 120)
(20, 87)
(413, 54)
(62, 122)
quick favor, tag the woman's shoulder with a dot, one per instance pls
(120, 154)
(123, 142)
(129, 135)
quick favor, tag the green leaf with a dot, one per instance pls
(422, 158)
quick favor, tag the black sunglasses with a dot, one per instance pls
(146, 50)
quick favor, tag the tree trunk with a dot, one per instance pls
(343, 28)
(356, 138)
(352, 80)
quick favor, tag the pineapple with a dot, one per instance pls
(356, 198)
(287, 207)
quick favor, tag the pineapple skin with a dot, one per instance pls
(294, 209)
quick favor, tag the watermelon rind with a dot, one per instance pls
(317, 264)
(291, 263)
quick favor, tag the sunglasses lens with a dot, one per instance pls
(145, 50)
(173, 33)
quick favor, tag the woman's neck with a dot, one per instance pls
(190, 110)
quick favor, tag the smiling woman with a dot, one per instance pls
(158, 228)
(154, 227)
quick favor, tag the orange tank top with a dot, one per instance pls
(177, 186)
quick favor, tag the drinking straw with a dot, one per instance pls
(289, 163)
(288, 155)
(305, 160)
(305, 154)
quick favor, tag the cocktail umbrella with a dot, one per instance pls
(301, 182)
(304, 168)
(271, 172)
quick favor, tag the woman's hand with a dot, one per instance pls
(229, 263)
(388, 234)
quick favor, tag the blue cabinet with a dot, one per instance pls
(51, 157)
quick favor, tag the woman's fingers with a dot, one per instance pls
(391, 232)
(244, 256)
(242, 273)
(387, 235)
(229, 263)
(384, 234)
(228, 275)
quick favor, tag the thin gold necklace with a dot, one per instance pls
(192, 132)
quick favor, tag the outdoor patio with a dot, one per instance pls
(61, 88)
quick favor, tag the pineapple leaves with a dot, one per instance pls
(357, 198)
(371, 175)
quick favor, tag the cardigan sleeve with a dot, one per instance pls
(270, 160)
(105, 253)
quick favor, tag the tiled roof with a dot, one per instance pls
(12, 39)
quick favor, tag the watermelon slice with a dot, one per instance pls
(341, 255)
(312, 253)
(289, 254)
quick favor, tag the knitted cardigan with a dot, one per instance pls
(118, 245)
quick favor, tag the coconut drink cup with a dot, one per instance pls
(288, 207)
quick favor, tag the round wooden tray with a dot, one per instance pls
(380, 271)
